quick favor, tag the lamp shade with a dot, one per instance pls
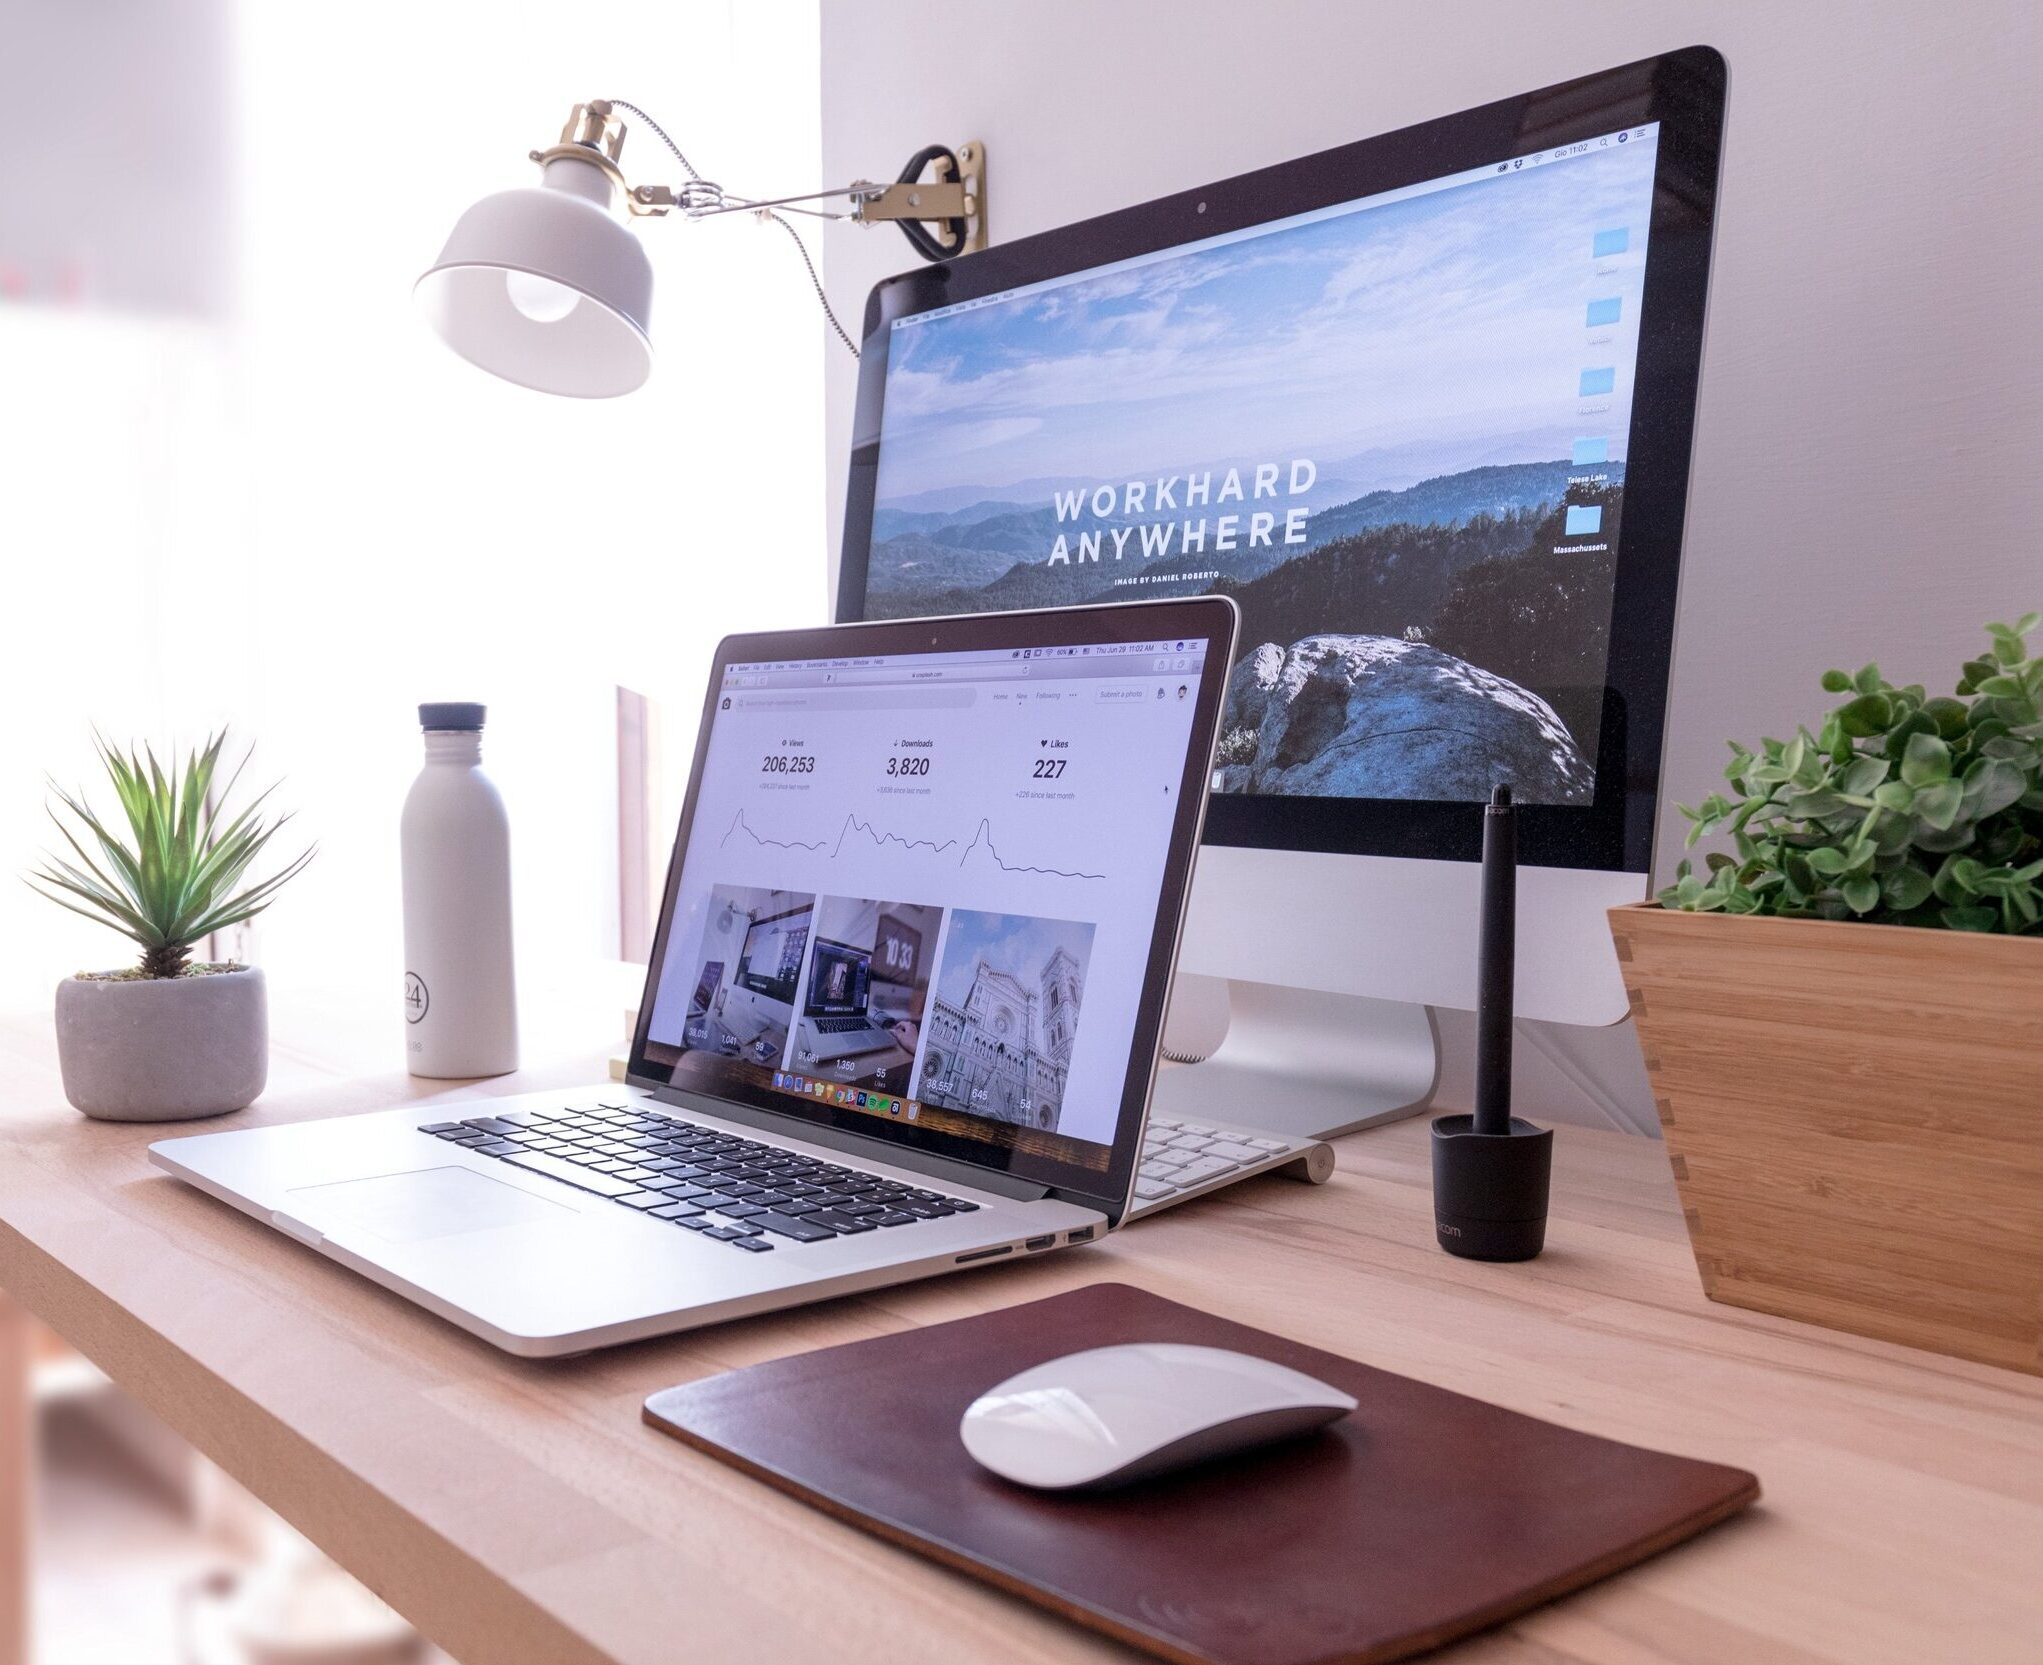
(545, 288)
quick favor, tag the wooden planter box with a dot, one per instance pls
(1855, 1118)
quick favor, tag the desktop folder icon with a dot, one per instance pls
(1597, 381)
(1588, 451)
(1614, 241)
(1585, 520)
(1605, 311)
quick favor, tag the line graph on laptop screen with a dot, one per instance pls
(924, 886)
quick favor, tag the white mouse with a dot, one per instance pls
(1114, 1414)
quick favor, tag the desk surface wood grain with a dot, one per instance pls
(521, 1514)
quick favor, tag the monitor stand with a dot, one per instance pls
(1298, 1062)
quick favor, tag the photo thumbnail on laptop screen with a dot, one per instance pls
(1394, 430)
(924, 886)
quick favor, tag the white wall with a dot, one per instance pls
(1872, 405)
(304, 514)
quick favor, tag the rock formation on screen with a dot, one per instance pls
(1377, 717)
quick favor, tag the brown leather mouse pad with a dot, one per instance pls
(1422, 1517)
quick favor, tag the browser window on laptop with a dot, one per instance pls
(923, 887)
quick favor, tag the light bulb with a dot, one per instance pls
(539, 298)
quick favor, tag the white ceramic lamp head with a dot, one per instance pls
(546, 287)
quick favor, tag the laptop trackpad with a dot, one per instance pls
(430, 1202)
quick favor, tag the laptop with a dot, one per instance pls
(991, 820)
(839, 1023)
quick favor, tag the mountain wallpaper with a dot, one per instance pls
(1474, 564)
(1393, 431)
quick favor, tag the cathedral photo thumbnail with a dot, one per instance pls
(1000, 1029)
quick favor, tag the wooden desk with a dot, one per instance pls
(520, 1513)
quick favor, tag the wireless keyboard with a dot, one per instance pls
(1184, 1159)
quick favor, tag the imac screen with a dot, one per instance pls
(1394, 430)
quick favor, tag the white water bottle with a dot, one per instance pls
(460, 989)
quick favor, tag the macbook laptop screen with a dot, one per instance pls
(922, 888)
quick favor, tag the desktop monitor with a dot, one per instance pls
(1422, 405)
(773, 954)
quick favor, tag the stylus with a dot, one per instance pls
(1495, 967)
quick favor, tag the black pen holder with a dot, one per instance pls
(1490, 1189)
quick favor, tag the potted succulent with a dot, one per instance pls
(1842, 1015)
(171, 1037)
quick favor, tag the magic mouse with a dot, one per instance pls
(1114, 1414)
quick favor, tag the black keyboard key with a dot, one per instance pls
(727, 1234)
(497, 1147)
(490, 1124)
(926, 1210)
(755, 1245)
(441, 1127)
(793, 1206)
(958, 1206)
(694, 1222)
(855, 1208)
(845, 1224)
(740, 1211)
(786, 1225)
(674, 1211)
(892, 1219)
(677, 1190)
(714, 1199)
(724, 1185)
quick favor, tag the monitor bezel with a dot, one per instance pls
(1683, 91)
(1214, 618)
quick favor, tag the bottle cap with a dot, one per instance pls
(452, 714)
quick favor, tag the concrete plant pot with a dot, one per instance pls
(163, 1049)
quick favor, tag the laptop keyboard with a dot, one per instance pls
(707, 1181)
(843, 1025)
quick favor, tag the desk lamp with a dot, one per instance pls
(545, 287)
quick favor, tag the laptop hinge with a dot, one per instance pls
(854, 1144)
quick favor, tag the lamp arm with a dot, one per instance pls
(699, 199)
(956, 203)
(959, 201)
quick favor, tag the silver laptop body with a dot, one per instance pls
(725, 1178)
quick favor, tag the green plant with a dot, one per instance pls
(175, 882)
(1901, 809)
